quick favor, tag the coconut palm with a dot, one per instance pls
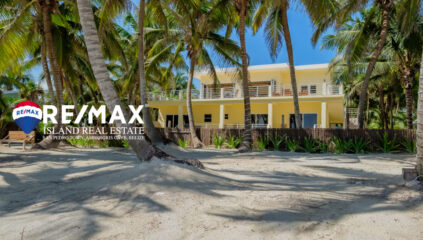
(142, 148)
(148, 122)
(401, 51)
(274, 14)
(200, 22)
(336, 13)
(242, 9)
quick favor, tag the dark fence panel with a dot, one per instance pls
(324, 134)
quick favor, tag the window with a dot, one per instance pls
(226, 116)
(304, 88)
(207, 117)
(313, 89)
(171, 121)
(259, 120)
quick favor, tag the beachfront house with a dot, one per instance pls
(221, 106)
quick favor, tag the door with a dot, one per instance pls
(310, 120)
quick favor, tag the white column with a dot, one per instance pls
(180, 117)
(270, 90)
(323, 115)
(222, 93)
(201, 91)
(222, 116)
(181, 94)
(270, 115)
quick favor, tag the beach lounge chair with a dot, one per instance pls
(19, 137)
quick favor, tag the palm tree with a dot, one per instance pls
(199, 22)
(152, 132)
(276, 27)
(419, 132)
(242, 10)
(336, 13)
(142, 148)
(401, 50)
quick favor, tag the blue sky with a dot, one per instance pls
(301, 32)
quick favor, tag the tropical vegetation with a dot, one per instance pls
(115, 52)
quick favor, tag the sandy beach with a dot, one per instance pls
(73, 193)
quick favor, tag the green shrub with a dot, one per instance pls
(233, 141)
(262, 143)
(183, 143)
(73, 141)
(323, 147)
(293, 145)
(81, 141)
(410, 146)
(360, 145)
(387, 144)
(218, 141)
(103, 144)
(277, 140)
(342, 145)
(125, 144)
(311, 145)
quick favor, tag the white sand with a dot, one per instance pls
(106, 194)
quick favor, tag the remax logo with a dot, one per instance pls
(27, 115)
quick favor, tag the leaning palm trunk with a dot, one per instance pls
(287, 37)
(50, 142)
(196, 143)
(419, 132)
(47, 73)
(246, 142)
(152, 132)
(372, 63)
(142, 148)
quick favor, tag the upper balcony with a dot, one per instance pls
(265, 91)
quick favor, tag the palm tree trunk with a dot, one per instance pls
(382, 107)
(152, 132)
(69, 88)
(419, 132)
(81, 92)
(246, 140)
(196, 143)
(50, 142)
(47, 73)
(287, 37)
(142, 148)
(372, 63)
(408, 91)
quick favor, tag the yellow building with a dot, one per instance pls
(221, 106)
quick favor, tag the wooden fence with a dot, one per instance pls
(324, 134)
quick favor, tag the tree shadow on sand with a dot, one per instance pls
(63, 183)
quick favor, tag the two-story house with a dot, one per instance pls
(221, 105)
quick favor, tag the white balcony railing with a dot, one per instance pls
(285, 90)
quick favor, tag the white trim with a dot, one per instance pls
(280, 66)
